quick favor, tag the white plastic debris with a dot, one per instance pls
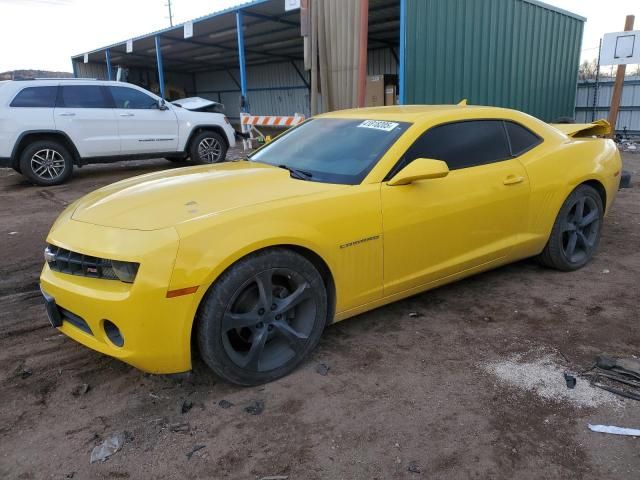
(606, 270)
(111, 445)
(632, 432)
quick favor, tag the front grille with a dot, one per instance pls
(75, 320)
(66, 261)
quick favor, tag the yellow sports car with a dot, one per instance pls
(250, 260)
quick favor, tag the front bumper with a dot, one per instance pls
(156, 330)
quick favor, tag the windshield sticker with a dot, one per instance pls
(379, 125)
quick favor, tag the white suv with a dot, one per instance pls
(47, 126)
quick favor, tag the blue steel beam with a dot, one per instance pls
(159, 65)
(241, 60)
(403, 44)
(107, 57)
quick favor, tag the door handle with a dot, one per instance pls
(67, 114)
(513, 180)
(126, 114)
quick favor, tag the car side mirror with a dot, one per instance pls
(162, 105)
(420, 169)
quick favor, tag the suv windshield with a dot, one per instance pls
(332, 150)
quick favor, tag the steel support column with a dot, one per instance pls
(244, 102)
(403, 44)
(160, 67)
(107, 57)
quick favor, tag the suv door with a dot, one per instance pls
(472, 217)
(84, 113)
(144, 128)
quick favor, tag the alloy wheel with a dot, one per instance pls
(580, 229)
(209, 150)
(269, 320)
(47, 164)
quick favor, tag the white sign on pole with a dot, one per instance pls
(86, 58)
(620, 48)
(129, 46)
(188, 30)
(291, 5)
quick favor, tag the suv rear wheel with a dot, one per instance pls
(208, 147)
(46, 163)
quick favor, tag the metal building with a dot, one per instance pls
(515, 53)
(593, 102)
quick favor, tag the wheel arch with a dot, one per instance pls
(598, 186)
(205, 128)
(35, 135)
(316, 259)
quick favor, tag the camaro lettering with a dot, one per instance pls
(357, 242)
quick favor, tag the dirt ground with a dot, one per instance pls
(407, 395)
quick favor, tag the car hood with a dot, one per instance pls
(164, 199)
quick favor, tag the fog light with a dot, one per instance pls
(113, 333)
(125, 271)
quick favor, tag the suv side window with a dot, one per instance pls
(130, 98)
(462, 144)
(42, 97)
(521, 139)
(83, 96)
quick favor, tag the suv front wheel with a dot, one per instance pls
(46, 163)
(208, 147)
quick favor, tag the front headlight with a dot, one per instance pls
(125, 271)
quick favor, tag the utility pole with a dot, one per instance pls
(168, 4)
(619, 84)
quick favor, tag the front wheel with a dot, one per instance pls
(208, 147)
(262, 317)
(46, 163)
(576, 232)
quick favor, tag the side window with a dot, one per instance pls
(36, 97)
(521, 138)
(125, 97)
(83, 96)
(463, 144)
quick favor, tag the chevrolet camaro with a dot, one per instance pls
(247, 262)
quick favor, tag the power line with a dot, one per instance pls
(168, 4)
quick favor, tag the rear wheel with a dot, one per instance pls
(208, 147)
(46, 163)
(262, 317)
(576, 232)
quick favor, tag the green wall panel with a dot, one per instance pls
(507, 53)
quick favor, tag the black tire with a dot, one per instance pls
(248, 342)
(215, 152)
(46, 163)
(576, 232)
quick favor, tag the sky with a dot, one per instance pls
(43, 34)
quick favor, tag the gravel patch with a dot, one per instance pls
(544, 377)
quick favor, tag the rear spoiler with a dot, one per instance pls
(599, 128)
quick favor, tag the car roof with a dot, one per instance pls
(416, 113)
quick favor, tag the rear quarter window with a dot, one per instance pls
(36, 97)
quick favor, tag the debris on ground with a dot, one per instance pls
(106, 449)
(570, 380)
(225, 404)
(415, 314)
(544, 377)
(413, 468)
(255, 408)
(195, 449)
(186, 406)
(322, 369)
(632, 432)
(81, 389)
(606, 271)
(276, 477)
(620, 376)
(181, 427)
(23, 371)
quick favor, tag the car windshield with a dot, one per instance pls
(332, 150)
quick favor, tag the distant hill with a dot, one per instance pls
(18, 74)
